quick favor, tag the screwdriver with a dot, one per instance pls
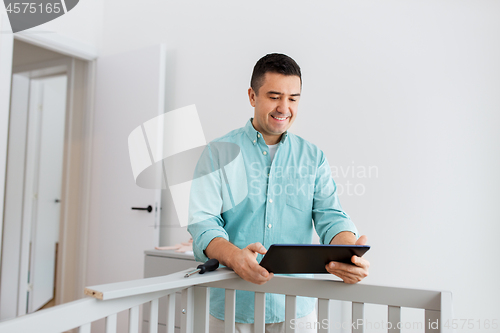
(210, 265)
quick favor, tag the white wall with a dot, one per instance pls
(408, 88)
(83, 23)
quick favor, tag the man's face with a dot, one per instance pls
(276, 105)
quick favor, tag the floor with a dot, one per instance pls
(49, 304)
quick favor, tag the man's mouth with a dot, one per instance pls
(280, 118)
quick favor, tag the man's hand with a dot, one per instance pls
(244, 263)
(349, 273)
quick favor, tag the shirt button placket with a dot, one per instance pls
(269, 213)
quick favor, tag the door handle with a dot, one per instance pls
(148, 208)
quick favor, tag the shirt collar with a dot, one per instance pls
(252, 133)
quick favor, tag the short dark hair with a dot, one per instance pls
(273, 63)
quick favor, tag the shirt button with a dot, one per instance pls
(258, 135)
(269, 225)
(264, 152)
(271, 200)
(254, 141)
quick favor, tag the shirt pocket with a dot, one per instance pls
(299, 192)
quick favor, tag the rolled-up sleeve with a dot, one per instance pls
(205, 203)
(328, 216)
(203, 233)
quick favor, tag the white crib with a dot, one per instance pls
(107, 300)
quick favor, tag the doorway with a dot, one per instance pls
(44, 230)
(43, 183)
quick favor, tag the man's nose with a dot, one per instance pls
(282, 106)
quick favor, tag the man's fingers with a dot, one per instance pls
(257, 247)
(344, 277)
(247, 267)
(351, 273)
(258, 275)
(347, 277)
(362, 240)
(348, 268)
(360, 262)
(347, 272)
(341, 267)
(262, 271)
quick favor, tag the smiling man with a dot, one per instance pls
(275, 97)
(291, 193)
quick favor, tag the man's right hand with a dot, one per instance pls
(244, 263)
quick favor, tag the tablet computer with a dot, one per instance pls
(307, 258)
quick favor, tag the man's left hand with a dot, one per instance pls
(351, 273)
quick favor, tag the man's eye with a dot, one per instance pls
(293, 100)
(274, 97)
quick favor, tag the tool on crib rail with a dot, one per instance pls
(210, 265)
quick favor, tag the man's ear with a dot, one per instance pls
(251, 96)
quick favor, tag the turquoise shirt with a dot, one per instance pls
(239, 195)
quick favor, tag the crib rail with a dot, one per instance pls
(437, 304)
(80, 313)
(109, 299)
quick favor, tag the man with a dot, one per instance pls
(289, 186)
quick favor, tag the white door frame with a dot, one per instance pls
(6, 49)
(75, 196)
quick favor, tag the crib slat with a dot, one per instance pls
(153, 316)
(230, 311)
(446, 311)
(260, 313)
(187, 306)
(111, 323)
(133, 320)
(394, 318)
(170, 313)
(201, 307)
(431, 318)
(324, 319)
(84, 328)
(358, 317)
(290, 312)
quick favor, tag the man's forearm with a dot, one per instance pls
(222, 250)
(344, 238)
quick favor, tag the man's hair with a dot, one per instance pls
(273, 63)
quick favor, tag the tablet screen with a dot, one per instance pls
(307, 258)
